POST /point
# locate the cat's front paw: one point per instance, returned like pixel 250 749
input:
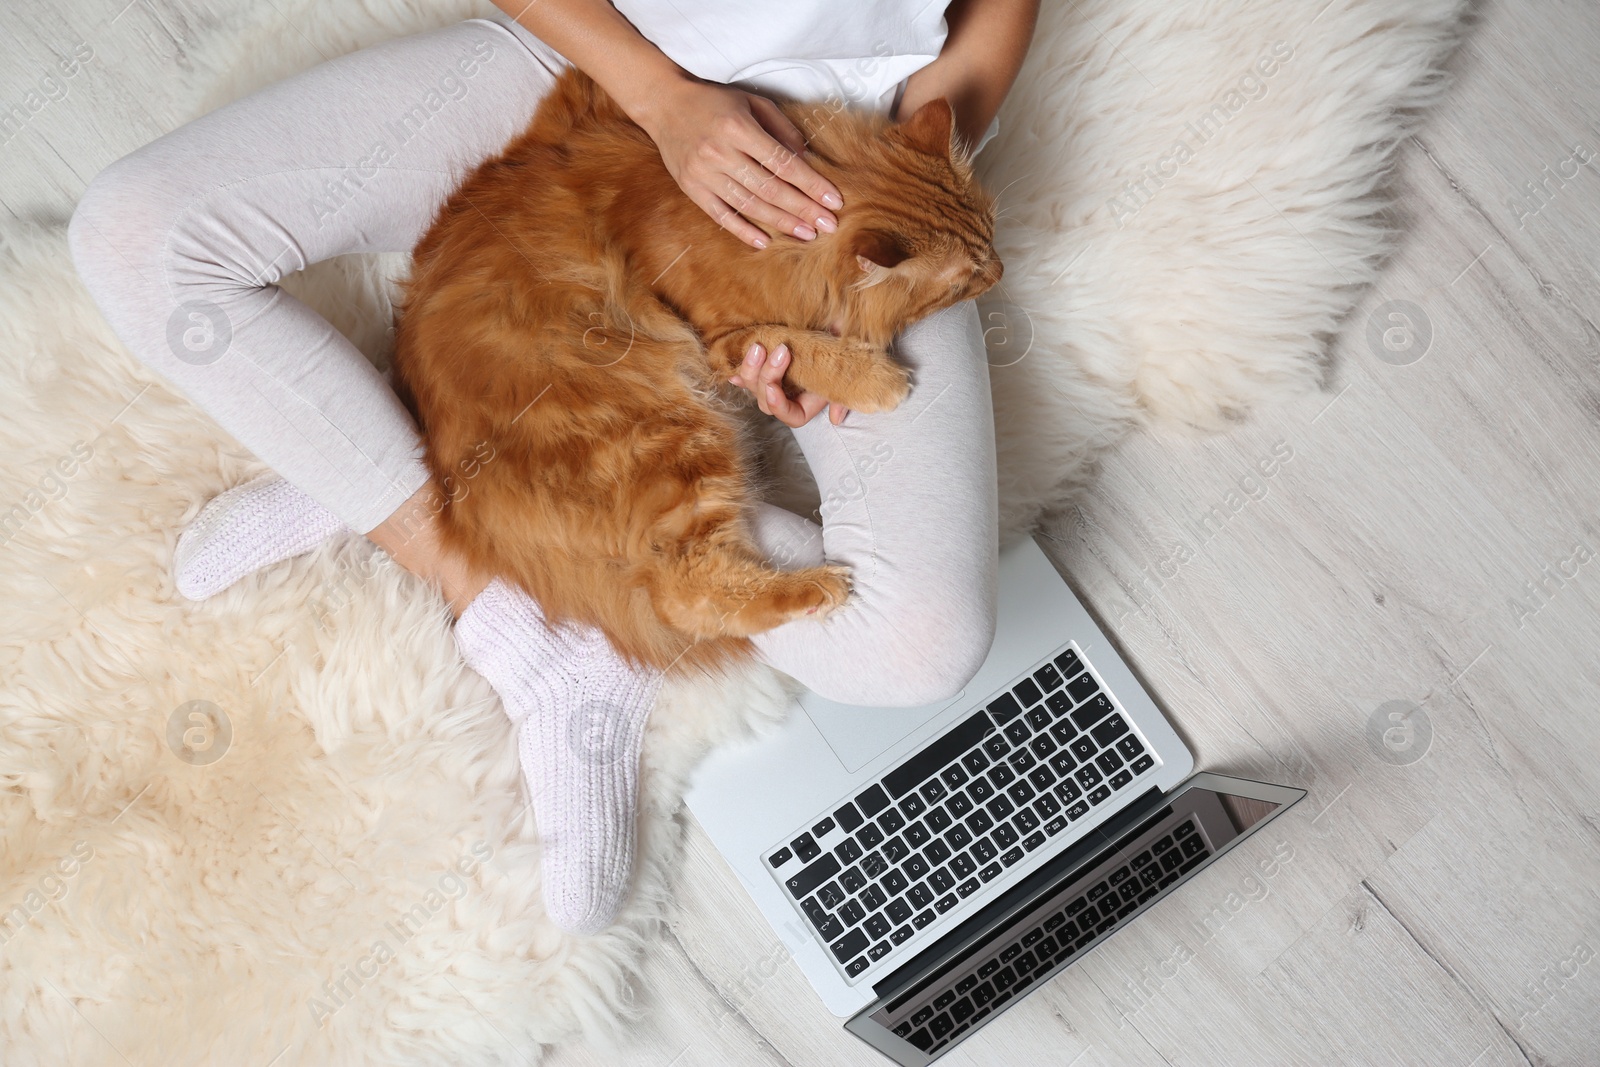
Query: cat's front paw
pixel 880 386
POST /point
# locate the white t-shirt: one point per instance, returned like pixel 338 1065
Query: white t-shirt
pixel 858 51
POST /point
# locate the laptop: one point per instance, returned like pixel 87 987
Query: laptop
pixel 928 867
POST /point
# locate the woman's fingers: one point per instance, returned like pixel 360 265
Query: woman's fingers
pixel 746 192
pixel 762 376
pixel 729 218
pixel 788 162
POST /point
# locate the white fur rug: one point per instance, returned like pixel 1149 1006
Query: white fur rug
pixel 355 881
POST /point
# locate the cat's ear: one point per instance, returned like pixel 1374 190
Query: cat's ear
pixel 877 250
pixel 930 129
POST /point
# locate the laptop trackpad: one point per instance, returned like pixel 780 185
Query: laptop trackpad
pixel 858 735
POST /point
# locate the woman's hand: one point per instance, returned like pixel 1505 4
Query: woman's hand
pixel 761 374
pixel 737 156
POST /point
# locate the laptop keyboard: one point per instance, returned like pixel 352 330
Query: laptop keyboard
pixel 885 871
pixel 1038 947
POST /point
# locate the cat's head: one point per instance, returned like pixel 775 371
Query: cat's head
pixel 917 227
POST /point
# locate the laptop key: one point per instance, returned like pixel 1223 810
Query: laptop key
pixel 933 790
pixel 1121 778
pixel 945 903
pixel 1018 732
pixel 1005 836
pixel 1109 730
pixel 894 883
pixel 1130 747
pixel 822 827
pixel 1056 825
pixel 967 888
pixel 878 925
pixel 958 838
pixel 941 880
pixel 917 835
pixel 849 818
pixel 942 1024
pixel 895 849
pixel 1092 711
pixel 1082 687
pixel 891 821
pixel 1142 764
pixel 1047 805
pixel 1078 810
pixel 780 857
pixel 1089 776
pixel 1001 775
pixel 852 913
pixel 984 851
pixel 848 851
pixel 1004 708
pixel 1068 664
pixel 1041 778
pixel 805 848
pixel 963 865
pixel 991 872
pixel 980 789
pixel 898 910
pixel 1183 831
pixel 922 1015
pixel 938 819
pixel 869 836
pixel 1048 677
pixel 902 935
pixel 1063 762
pixel 1022 760
pixel 921 1038
pixel 1068 790
pixel 874 865
pixel 1109 761
pixel 857 965
pixel 923 918
pixel 926 763
pixel 1020 792
pixel 1058 703
pixel 831 896
pixel 1026 821
pixel 872 800
pixel 1063 731
pixel 1083 748
pixel 878 951
pixel 1012 857
pixel 852 880
pixel 916 867
pixel 920 896
pixel 953 775
pixel 1028 692
pixel 1043 745
pixel 979 821
pixel 966 984
pixel 1099 794
pixel 1038 718
pixel 831 928
pixel 1000 807
pixel 801 885
pixel 851 944
pixel 996 746
pixel 936 853
pixel 873 897
pixel 912 805
pixel 975 761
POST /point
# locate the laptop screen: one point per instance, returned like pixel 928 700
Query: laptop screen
pixel 1061 912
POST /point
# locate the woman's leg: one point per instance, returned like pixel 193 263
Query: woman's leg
pixel 909 504
pixel 182 244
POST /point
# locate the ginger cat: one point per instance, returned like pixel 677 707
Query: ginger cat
pixel 567 334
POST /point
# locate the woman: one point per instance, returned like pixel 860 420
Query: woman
pixel 182 242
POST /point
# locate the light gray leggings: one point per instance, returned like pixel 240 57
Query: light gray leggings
pixel 182 242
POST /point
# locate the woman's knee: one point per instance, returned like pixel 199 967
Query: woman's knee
pixel 925 649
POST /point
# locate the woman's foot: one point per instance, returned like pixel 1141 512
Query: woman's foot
pixel 249 527
pixel 579 709
pixel 580 712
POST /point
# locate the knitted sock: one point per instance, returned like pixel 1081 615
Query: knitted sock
pixel 580 712
pixel 249 527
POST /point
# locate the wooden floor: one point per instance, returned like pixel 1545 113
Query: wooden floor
pixel 1431 539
